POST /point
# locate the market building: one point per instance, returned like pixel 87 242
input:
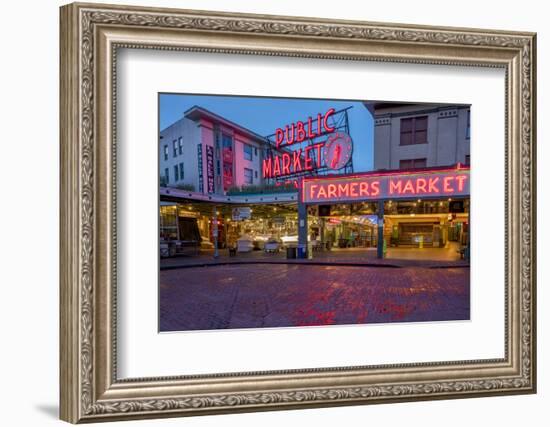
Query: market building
pixel 414 136
pixel 415 208
pixel 408 136
pixel 207 153
pixel 297 189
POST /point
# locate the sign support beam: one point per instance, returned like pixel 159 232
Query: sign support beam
pixel 380 245
pixel 302 222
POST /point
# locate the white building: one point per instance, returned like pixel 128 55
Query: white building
pixel 409 136
pixel 206 153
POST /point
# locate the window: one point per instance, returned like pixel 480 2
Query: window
pixel 255 174
pixel 181 171
pixel 228 174
pixel 255 151
pixel 248 176
pixel 467 160
pixel 175 147
pixel 227 142
pixel 180 145
pixel 166 174
pixel 216 136
pixel 176 172
pixel 468 127
pixel 247 150
pixel 414 130
pixel 412 163
pixel 165 152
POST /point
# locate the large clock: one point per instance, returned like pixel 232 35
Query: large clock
pixel 338 150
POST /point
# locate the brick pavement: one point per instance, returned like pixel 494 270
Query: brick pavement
pixel 279 295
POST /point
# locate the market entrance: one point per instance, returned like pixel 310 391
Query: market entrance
pixel 421 209
pixel 343 226
pixel 195 228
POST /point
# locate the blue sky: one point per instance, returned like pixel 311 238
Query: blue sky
pixel 264 115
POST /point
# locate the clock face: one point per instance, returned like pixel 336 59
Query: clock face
pixel 338 150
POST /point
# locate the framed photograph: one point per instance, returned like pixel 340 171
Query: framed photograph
pixel 268 212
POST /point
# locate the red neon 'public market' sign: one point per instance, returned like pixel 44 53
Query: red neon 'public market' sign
pixel 300 131
pixel 390 185
pixel 292 161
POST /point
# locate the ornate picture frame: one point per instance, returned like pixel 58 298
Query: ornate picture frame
pixel 90 37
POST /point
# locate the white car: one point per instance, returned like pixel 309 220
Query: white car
pixel 245 244
pixel 272 245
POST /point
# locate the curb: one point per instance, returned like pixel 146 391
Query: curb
pixel 310 263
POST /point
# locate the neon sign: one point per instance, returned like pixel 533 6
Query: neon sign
pixel 292 162
pixel 391 185
pixel 300 131
pixel 336 150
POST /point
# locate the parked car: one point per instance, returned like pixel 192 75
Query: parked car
pixel 245 244
pixel 272 245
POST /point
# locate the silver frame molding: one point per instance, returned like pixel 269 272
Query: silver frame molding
pixel 90 37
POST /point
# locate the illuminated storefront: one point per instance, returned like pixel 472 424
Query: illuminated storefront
pixel 425 208
pixel 418 208
pixel 326 206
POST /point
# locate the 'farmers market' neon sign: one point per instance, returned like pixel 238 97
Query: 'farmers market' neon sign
pixel 391 185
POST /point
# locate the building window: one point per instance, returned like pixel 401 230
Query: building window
pixel 468 126
pixel 216 136
pixel 175 147
pixel 180 145
pixel 227 175
pixel 165 152
pixel 181 171
pixel 255 174
pixel 467 160
pixel 227 142
pixel 412 163
pixel 255 151
pixel 166 174
pixel 247 152
pixel 176 172
pixel 414 130
pixel 248 176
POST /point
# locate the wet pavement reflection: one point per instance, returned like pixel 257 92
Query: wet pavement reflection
pixel 279 295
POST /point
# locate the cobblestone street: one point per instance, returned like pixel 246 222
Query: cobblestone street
pixel 279 295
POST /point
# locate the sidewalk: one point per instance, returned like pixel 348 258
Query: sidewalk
pixel 395 258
